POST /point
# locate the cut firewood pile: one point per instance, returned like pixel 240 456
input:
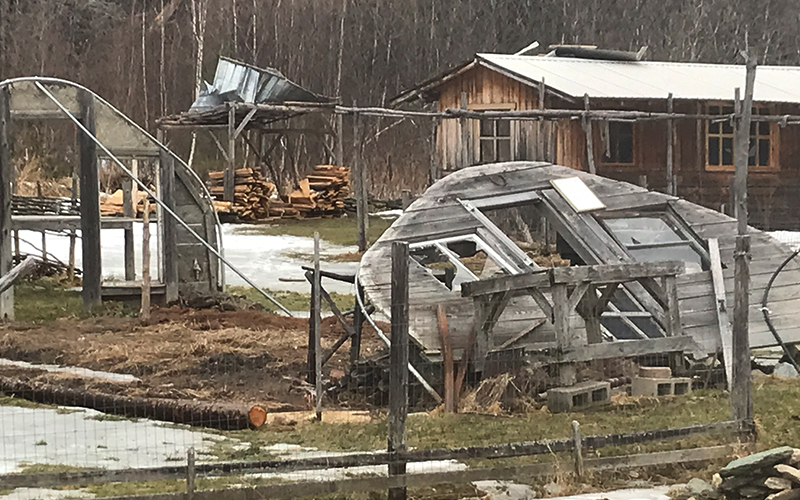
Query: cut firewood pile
pixel 768 475
pixel 321 194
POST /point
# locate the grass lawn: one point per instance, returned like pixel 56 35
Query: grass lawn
pixel 47 299
pixel 293 301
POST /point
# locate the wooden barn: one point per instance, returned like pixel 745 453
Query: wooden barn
pixel 689 157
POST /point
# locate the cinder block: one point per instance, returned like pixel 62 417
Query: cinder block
pixel 641 386
pixel 578 396
pixel 655 372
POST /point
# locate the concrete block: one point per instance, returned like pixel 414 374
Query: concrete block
pixel 578 396
pixel 641 386
pixel 655 372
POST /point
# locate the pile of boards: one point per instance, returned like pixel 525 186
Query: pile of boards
pixel 111 205
pixel 321 194
pixel 251 194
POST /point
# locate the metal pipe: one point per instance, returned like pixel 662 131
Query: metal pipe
pixel 163 205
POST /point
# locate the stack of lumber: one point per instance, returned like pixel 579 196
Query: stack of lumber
pixel 111 205
pixel 251 194
pixel 321 194
pixel 44 205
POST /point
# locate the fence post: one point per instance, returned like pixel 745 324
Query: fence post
pixel 144 314
pixel 190 474
pixel 741 385
pixel 578 450
pixel 317 321
pixel 6 174
pixel 398 370
pixel 90 206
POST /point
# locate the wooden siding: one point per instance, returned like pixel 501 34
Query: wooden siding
pixel 484 89
pixel 772 194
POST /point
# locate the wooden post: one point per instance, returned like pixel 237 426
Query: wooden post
pixel 587 129
pixel 591 315
pixel 406 198
pixel 361 185
pixel 128 244
pixel 191 474
pixel 741 386
pixel 73 235
pixel 339 140
pixel 21 270
pixel 447 360
pixel 44 232
pixel 229 179
pixel 90 205
pixel 466 145
pixel 673 323
pixel 169 241
pixel 317 319
pixel 567 372
pixel 398 369
pixel 543 128
pixel 434 173
pixel 144 314
pixel 670 145
pixel 358 326
pixel 311 357
pixel 6 173
pixel 578 442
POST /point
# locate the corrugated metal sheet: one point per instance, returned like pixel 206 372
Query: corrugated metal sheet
pixel 646 79
pixel 236 81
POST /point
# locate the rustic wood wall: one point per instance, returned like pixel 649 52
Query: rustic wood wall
pixel 772 194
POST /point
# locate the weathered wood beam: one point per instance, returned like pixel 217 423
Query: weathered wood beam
pixel 230 167
pixel 244 122
pixel 629 349
pixel 19 271
pixel 670 146
pixel 535 279
pixel 721 302
pixel 90 205
pixel 616 273
pixel 398 369
pixel 6 179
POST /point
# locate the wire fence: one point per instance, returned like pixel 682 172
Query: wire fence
pixel 206 404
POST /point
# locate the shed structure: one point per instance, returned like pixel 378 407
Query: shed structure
pixel 690 158
pixel 458 253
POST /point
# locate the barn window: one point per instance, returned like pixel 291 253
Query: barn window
pixel 495 140
pixel 720 141
pixel 617 143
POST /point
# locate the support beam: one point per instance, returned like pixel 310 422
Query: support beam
pixel 670 145
pixel 587 130
pixel 398 369
pixel 169 242
pixel 316 321
pixel 721 302
pixel 466 144
pixel 361 185
pixel 567 372
pixel 90 205
pixel 741 386
pixel 129 213
pixel 339 148
pixel 230 167
pixel 6 173
pixel 358 327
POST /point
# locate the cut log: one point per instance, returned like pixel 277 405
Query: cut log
pixel 197 413
pixel 21 270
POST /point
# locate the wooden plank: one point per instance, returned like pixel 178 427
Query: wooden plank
pixel 358 325
pixel 615 273
pixel 587 130
pixel 629 348
pixel 144 312
pixel 506 200
pixel 567 373
pixel 447 360
pixel 491 286
pixel 398 368
pixel 402 482
pixel 725 335
pixel 6 179
pixel 90 205
pixel 671 188
pixel 21 270
pixel 590 312
pixel 673 309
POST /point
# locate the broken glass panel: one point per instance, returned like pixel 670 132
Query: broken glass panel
pixel 652 239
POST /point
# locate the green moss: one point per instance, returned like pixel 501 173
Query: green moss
pixel 294 301
pixel 340 231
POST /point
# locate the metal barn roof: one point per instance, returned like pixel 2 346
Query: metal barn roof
pixel 573 77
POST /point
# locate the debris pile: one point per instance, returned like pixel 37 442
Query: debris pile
pixel 321 194
pixel 770 475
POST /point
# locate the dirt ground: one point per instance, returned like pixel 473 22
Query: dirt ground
pixel 232 356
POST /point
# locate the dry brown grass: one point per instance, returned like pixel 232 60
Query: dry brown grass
pixel 30 179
